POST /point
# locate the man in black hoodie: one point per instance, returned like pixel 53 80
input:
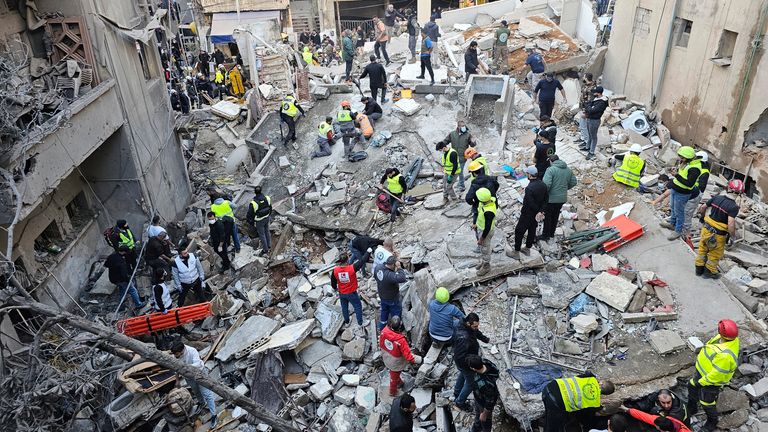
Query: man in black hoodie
pixel 534 203
pixel 120 274
pixel 219 240
pixel 486 393
pixel 470 60
pixel 465 344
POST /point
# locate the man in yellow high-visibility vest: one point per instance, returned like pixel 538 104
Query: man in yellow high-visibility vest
pixel 577 398
pixel 394 183
pixel 289 110
pixel 483 224
pixel 451 170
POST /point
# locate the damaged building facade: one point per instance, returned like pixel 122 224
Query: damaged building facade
pixel 701 66
pixel 107 152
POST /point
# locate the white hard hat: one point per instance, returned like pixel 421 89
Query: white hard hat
pixel 703 156
pixel 636 148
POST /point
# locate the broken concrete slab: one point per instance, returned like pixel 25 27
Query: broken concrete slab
pixel 354 350
pixel 334 198
pixel 731 400
pixel 344 395
pixel 664 295
pixel 522 285
pixel 365 398
pixel 408 106
pixel 758 286
pixel 557 289
pixel 321 390
pixel 351 380
pixel 638 301
pixel 584 323
pixel 665 341
pixel 603 262
pixel 530 29
pixel 344 419
pixel 330 320
pixel 758 389
pixel 320 351
pixel 289 336
pixel 253 329
pixel 615 291
pixel 630 318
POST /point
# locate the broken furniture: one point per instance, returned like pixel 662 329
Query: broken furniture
pixel 146 377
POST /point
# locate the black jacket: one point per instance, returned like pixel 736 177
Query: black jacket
pixel 485 390
pixel 250 216
pixel 362 243
pixel 413 25
pixel 218 57
pixel 465 343
pixel 220 233
pixel 399 420
pixel 389 18
pixel 470 61
pixel 376 74
pixel 595 108
pixel 536 197
pixel 119 271
pixel 481 181
pixel 432 30
pixel 156 248
pixel 372 107
pixel 651 405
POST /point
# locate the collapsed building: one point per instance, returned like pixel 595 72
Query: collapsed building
pixel 274 334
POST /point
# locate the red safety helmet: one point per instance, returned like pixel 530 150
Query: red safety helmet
pixel 736 185
pixel 728 329
pixel 346 104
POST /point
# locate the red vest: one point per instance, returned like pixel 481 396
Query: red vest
pixel 346 277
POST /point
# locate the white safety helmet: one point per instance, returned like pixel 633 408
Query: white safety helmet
pixel 636 148
pixel 703 156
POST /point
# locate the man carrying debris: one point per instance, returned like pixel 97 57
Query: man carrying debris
pixel 451 168
pixel 426 56
pixel 344 280
pixel 191 357
pixel 188 274
pixel 388 277
pixel 372 109
pixel 576 398
pixel 401 413
pixel 483 224
pixel 544 93
pixel 558 179
pixel 592 114
pixel 632 167
pixel 396 186
pixel 717 229
pixel 715 364
pixel 464 345
pixel 471 63
pixel 485 391
pixel 500 49
pixel 289 110
pixel 358 247
pixel 544 145
pixel 224 209
pixel 258 216
pixel 120 274
pixel 536 62
pixel 534 205
pixel 444 317
pixel 219 239
pixel 384 251
pixel 664 403
pixel 377 78
pixel 345 126
pixel 587 94
pixel 324 138
pixel 381 37
pixel 460 140
pixel 395 352
pixel 698 191
pixel 347 53
pixel 689 169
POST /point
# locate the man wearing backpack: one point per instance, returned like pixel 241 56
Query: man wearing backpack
pixel 258 217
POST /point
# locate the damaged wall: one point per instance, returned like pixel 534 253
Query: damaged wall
pixel 700 92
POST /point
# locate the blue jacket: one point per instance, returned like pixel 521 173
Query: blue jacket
pixel 442 318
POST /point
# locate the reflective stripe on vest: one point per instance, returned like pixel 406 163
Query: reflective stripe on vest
pixel 579 393
pixel 717 361
pixel 344 116
pixel 696 163
pixel 289 106
pixel 187 272
pixel 126 239
pixel 262 208
pixel 489 206
pixel 394 186
pixel 165 297
pixel 223 209
pixel 484 163
pixel 629 172
pixel 447 165
pixel 323 129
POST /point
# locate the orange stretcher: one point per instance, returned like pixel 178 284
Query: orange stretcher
pixel 157 321
pixel 628 231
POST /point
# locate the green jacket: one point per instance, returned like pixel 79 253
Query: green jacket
pixel 559 178
pixel 459 141
pixel 348 49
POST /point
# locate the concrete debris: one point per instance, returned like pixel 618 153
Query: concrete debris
pixel 408 106
pixel 584 323
pixel 665 341
pixel 615 291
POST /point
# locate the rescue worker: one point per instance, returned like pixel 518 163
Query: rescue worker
pixel 444 317
pixel 395 184
pixel 715 364
pixel 544 148
pixel 718 227
pixel 219 239
pixel 158 252
pixel 534 203
pixel 123 236
pixel 344 280
pixel 395 352
pixel 661 423
pixel 471 154
pixel 289 110
pixel 500 49
pixel 381 37
pixel 388 277
pixel 307 56
pixel 372 109
pixel 485 391
pixel 401 413
pixel 324 138
pixel 155 228
pixel 345 126
pixel 698 191
pixel 632 167
pixel 479 180
pixel 358 247
pixel 188 275
pixel 460 139
pixel 258 216
pixel 385 250
pixel 220 79
pixel 483 224
pixel 451 170
pixel 576 398
pixel 161 295
pixel 689 169
pixel 547 124
pixel 224 210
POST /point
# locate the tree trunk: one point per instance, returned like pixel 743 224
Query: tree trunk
pixel 152 354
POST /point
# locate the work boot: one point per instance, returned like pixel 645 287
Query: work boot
pixel 699 270
pixel 666 224
pixel 526 251
pixel 709 275
pixel 512 253
pixel 589 156
pixel 674 236
pixel 483 269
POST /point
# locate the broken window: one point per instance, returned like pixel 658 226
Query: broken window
pixel 78 206
pixel 143 60
pixel 725 48
pixel 50 239
pixel 682 32
pixel 642 25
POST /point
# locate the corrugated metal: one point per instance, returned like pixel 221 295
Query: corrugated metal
pixel 213 6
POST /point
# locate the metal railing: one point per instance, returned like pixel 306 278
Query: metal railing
pixel 367 25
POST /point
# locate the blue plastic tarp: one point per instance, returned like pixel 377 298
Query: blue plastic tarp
pixel 534 378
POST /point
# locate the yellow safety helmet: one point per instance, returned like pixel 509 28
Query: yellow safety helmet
pixel 483 194
pixel 475 166
pixel 442 295
pixel 687 152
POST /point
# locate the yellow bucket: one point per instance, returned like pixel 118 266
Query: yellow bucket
pixel 406 93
